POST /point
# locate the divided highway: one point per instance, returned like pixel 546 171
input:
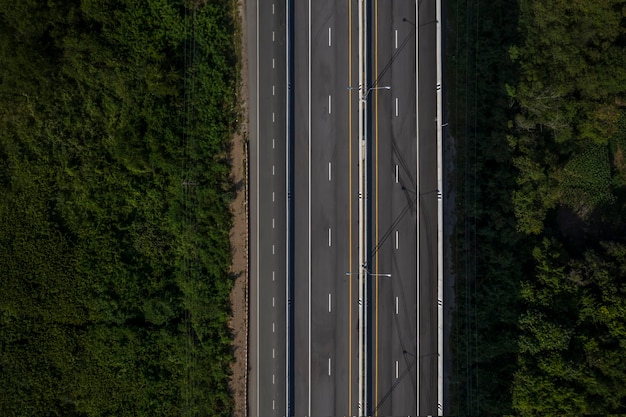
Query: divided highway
pixel 393 141
pixel 325 209
pixel 344 192
pixel 404 209
pixel 268 214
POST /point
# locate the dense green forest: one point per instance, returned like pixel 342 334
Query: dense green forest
pixel 537 103
pixel 115 125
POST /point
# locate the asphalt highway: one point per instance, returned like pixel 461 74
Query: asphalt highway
pixel 403 307
pixel 428 196
pixel 393 203
pixel 325 209
pixel 305 147
pixel 427 99
pixel 268 253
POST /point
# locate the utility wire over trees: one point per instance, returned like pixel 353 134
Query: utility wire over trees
pixel 537 102
pixel 115 127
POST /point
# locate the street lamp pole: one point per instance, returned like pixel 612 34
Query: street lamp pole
pixel 363 273
pixel 362 246
pixel 366 272
pixel 369 90
pixel 365 95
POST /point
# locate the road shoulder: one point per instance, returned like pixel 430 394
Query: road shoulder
pixel 239 232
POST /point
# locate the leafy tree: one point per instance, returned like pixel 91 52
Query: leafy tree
pixel 114 240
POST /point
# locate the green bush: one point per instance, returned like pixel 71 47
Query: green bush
pixel 115 126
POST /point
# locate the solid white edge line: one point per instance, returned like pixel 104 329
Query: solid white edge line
pixel 288 109
pixel 309 214
pixel 439 215
pixel 417 162
pixel 365 217
pixel 360 352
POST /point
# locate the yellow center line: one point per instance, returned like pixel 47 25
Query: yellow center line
pixel 376 239
pixel 350 207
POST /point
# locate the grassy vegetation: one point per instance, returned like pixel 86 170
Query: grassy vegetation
pixel 115 126
pixel 537 106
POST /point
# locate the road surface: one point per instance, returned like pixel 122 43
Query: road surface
pixel 268 253
pixel 325 208
pixel 404 239
pixel 305 148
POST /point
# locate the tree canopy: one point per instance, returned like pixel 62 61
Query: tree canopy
pixel 115 126
pixel 538 106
